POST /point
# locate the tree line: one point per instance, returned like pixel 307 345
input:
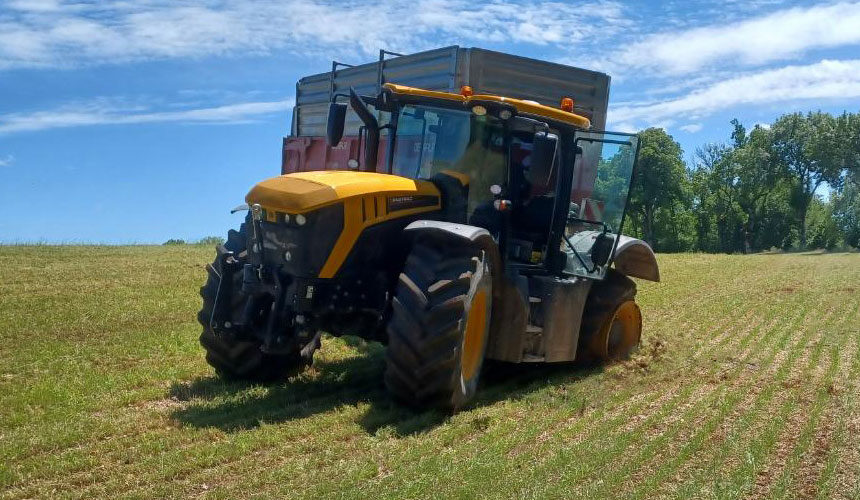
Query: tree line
pixel 794 184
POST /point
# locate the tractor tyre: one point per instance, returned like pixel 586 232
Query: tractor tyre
pixel 241 358
pixel 611 321
pixel 437 333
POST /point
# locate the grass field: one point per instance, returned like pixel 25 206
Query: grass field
pixel 747 385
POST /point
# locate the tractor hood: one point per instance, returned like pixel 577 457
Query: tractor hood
pixel 305 191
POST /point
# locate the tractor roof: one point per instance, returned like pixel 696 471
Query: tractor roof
pixel 523 106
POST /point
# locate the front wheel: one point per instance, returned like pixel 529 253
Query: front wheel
pixel 437 334
pixel 241 357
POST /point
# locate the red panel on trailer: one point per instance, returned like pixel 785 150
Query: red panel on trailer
pixel 304 154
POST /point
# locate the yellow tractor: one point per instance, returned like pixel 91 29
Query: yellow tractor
pixel 462 232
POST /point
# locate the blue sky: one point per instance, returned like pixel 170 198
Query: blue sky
pixel 138 121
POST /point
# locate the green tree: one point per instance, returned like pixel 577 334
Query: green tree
pixel 822 229
pixel 846 210
pixel 811 149
pixel 210 241
pixel 757 176
pixel 716 203
pixel 660 184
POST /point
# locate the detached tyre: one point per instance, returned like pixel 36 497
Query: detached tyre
pixel 611 323
pixel 240 357
pixel 437 334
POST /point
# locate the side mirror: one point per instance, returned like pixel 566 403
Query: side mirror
pixel 544 146
pixel 335 123
pixel 602 249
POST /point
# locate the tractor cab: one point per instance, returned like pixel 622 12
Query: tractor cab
pixel 550 191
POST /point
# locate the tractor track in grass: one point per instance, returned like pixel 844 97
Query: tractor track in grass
pixel 655 416
pixel 805 464
pixel 758 426
pixel 777 457
pixel 701 468
pixel 652 401
pixel 659 457
pixel 810 397
pixel 741 308
pixel 840 471
pixel 666 462
pixel 690 399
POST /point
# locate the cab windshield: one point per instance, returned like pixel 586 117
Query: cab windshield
pixel 432 141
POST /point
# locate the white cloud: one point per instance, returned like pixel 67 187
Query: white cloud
pixel 53 33
pixel 7 160
pixel 625 127
pixel 823 80
pixel 777 36
pixel 100 113
pixel 691 128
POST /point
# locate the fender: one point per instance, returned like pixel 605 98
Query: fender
pixel 462 233
pixel 635 258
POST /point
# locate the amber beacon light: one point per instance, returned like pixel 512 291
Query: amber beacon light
pixel 466 91
pixel 567 104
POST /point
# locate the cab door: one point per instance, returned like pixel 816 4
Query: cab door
pixel 593 201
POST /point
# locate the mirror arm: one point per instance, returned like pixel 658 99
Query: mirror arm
pixel 371 145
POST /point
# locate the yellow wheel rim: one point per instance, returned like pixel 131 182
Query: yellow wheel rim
pixel 621 334
pixel 473 337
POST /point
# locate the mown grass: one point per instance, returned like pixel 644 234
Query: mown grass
pixel 747 385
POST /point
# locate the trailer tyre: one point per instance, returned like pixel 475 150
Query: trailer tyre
pixel 232 357
pixel 611 323
pixel 437 334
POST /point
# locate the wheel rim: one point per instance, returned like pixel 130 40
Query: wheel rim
pixel 474 335
pixel 621 334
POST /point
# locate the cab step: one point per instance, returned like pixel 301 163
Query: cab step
pixel 531 358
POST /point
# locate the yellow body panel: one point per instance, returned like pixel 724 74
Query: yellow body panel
pixel 365 197
pixel 305 191
pixel 354 224
pixel 522 106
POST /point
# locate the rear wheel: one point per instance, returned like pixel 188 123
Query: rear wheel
pixel 611 323
pixel 437 334
pixel 240 357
